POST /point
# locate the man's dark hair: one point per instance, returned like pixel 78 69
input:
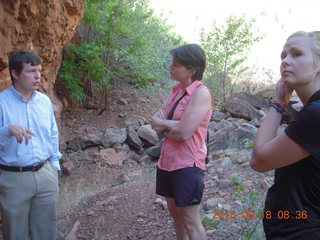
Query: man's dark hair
pixel 191 56
pixel 18 58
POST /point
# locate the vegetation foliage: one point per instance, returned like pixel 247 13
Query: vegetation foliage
pixel 252 210
pixel 80 61
pixel 227 47
pixel 121 40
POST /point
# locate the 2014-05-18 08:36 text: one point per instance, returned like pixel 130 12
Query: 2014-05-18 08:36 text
pixel 251 214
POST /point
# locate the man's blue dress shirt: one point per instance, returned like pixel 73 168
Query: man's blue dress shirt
pixel 35 114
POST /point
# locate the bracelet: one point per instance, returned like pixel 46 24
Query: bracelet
pixel 278 106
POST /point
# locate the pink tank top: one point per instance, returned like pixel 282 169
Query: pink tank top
pixel 181 154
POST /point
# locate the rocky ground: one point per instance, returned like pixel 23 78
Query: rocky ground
pixel 119 203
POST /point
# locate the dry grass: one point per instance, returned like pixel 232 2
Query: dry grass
pixel 78 188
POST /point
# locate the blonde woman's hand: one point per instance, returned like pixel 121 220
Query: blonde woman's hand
pixel 283 92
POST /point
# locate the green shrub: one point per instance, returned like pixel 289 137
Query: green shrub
pixel 122 41
pixel 227 47
pixel 80 62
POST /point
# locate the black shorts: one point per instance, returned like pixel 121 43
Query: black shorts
pixel 184 185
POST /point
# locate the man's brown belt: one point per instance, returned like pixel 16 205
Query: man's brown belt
pixel 34 168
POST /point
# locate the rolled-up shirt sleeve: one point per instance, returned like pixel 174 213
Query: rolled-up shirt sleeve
pixel 4 136
pixel 56 154
pixel 4 131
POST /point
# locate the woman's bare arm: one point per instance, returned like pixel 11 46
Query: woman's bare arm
pixel 199 105
pixel 269 150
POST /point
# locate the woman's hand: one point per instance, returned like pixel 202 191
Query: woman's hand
pixel 158 121
pixel 198 106
pixel 283 92
pixel 157 124
pixel 161 125
pixel 269 147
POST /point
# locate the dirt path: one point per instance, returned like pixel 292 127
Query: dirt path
pixel 129 209
pixel 125 211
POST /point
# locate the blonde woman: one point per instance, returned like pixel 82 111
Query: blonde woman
pixel 292 206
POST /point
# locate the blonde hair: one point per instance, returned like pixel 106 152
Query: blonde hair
pixel 314 38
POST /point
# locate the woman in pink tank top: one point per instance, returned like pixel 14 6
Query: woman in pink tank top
pixel 184 120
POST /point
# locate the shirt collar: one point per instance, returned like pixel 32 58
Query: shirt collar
pixel 189 89
pixel 18 95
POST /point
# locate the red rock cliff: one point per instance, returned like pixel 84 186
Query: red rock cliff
pixel 43 26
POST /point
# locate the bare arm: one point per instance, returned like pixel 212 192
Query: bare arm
pixel 199 104
pixel 161 125
pixel 158 121
pixel 271 151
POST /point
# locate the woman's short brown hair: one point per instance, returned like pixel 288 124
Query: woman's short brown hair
pixel 191 56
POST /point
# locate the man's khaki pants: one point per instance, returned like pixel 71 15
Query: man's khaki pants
pixel 28 204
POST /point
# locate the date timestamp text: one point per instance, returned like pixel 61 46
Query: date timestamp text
pixel 251 214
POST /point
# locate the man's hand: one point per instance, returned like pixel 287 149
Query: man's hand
pixel 20 132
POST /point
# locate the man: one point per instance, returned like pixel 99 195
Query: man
pixel 29 154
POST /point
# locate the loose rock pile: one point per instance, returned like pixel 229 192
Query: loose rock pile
pixel 235 125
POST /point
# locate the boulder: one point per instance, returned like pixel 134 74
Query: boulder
pixel 154 151
pixel 245 131
pixel 148 135
pixel 254 100
pixel 111 158
pixel 112 136
pixel 135 121
pixel 90 140
pixel 241 109
pixel 66 165
pixel 221 125
pixel 219 115
pixel 221 139
pixel 133 139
